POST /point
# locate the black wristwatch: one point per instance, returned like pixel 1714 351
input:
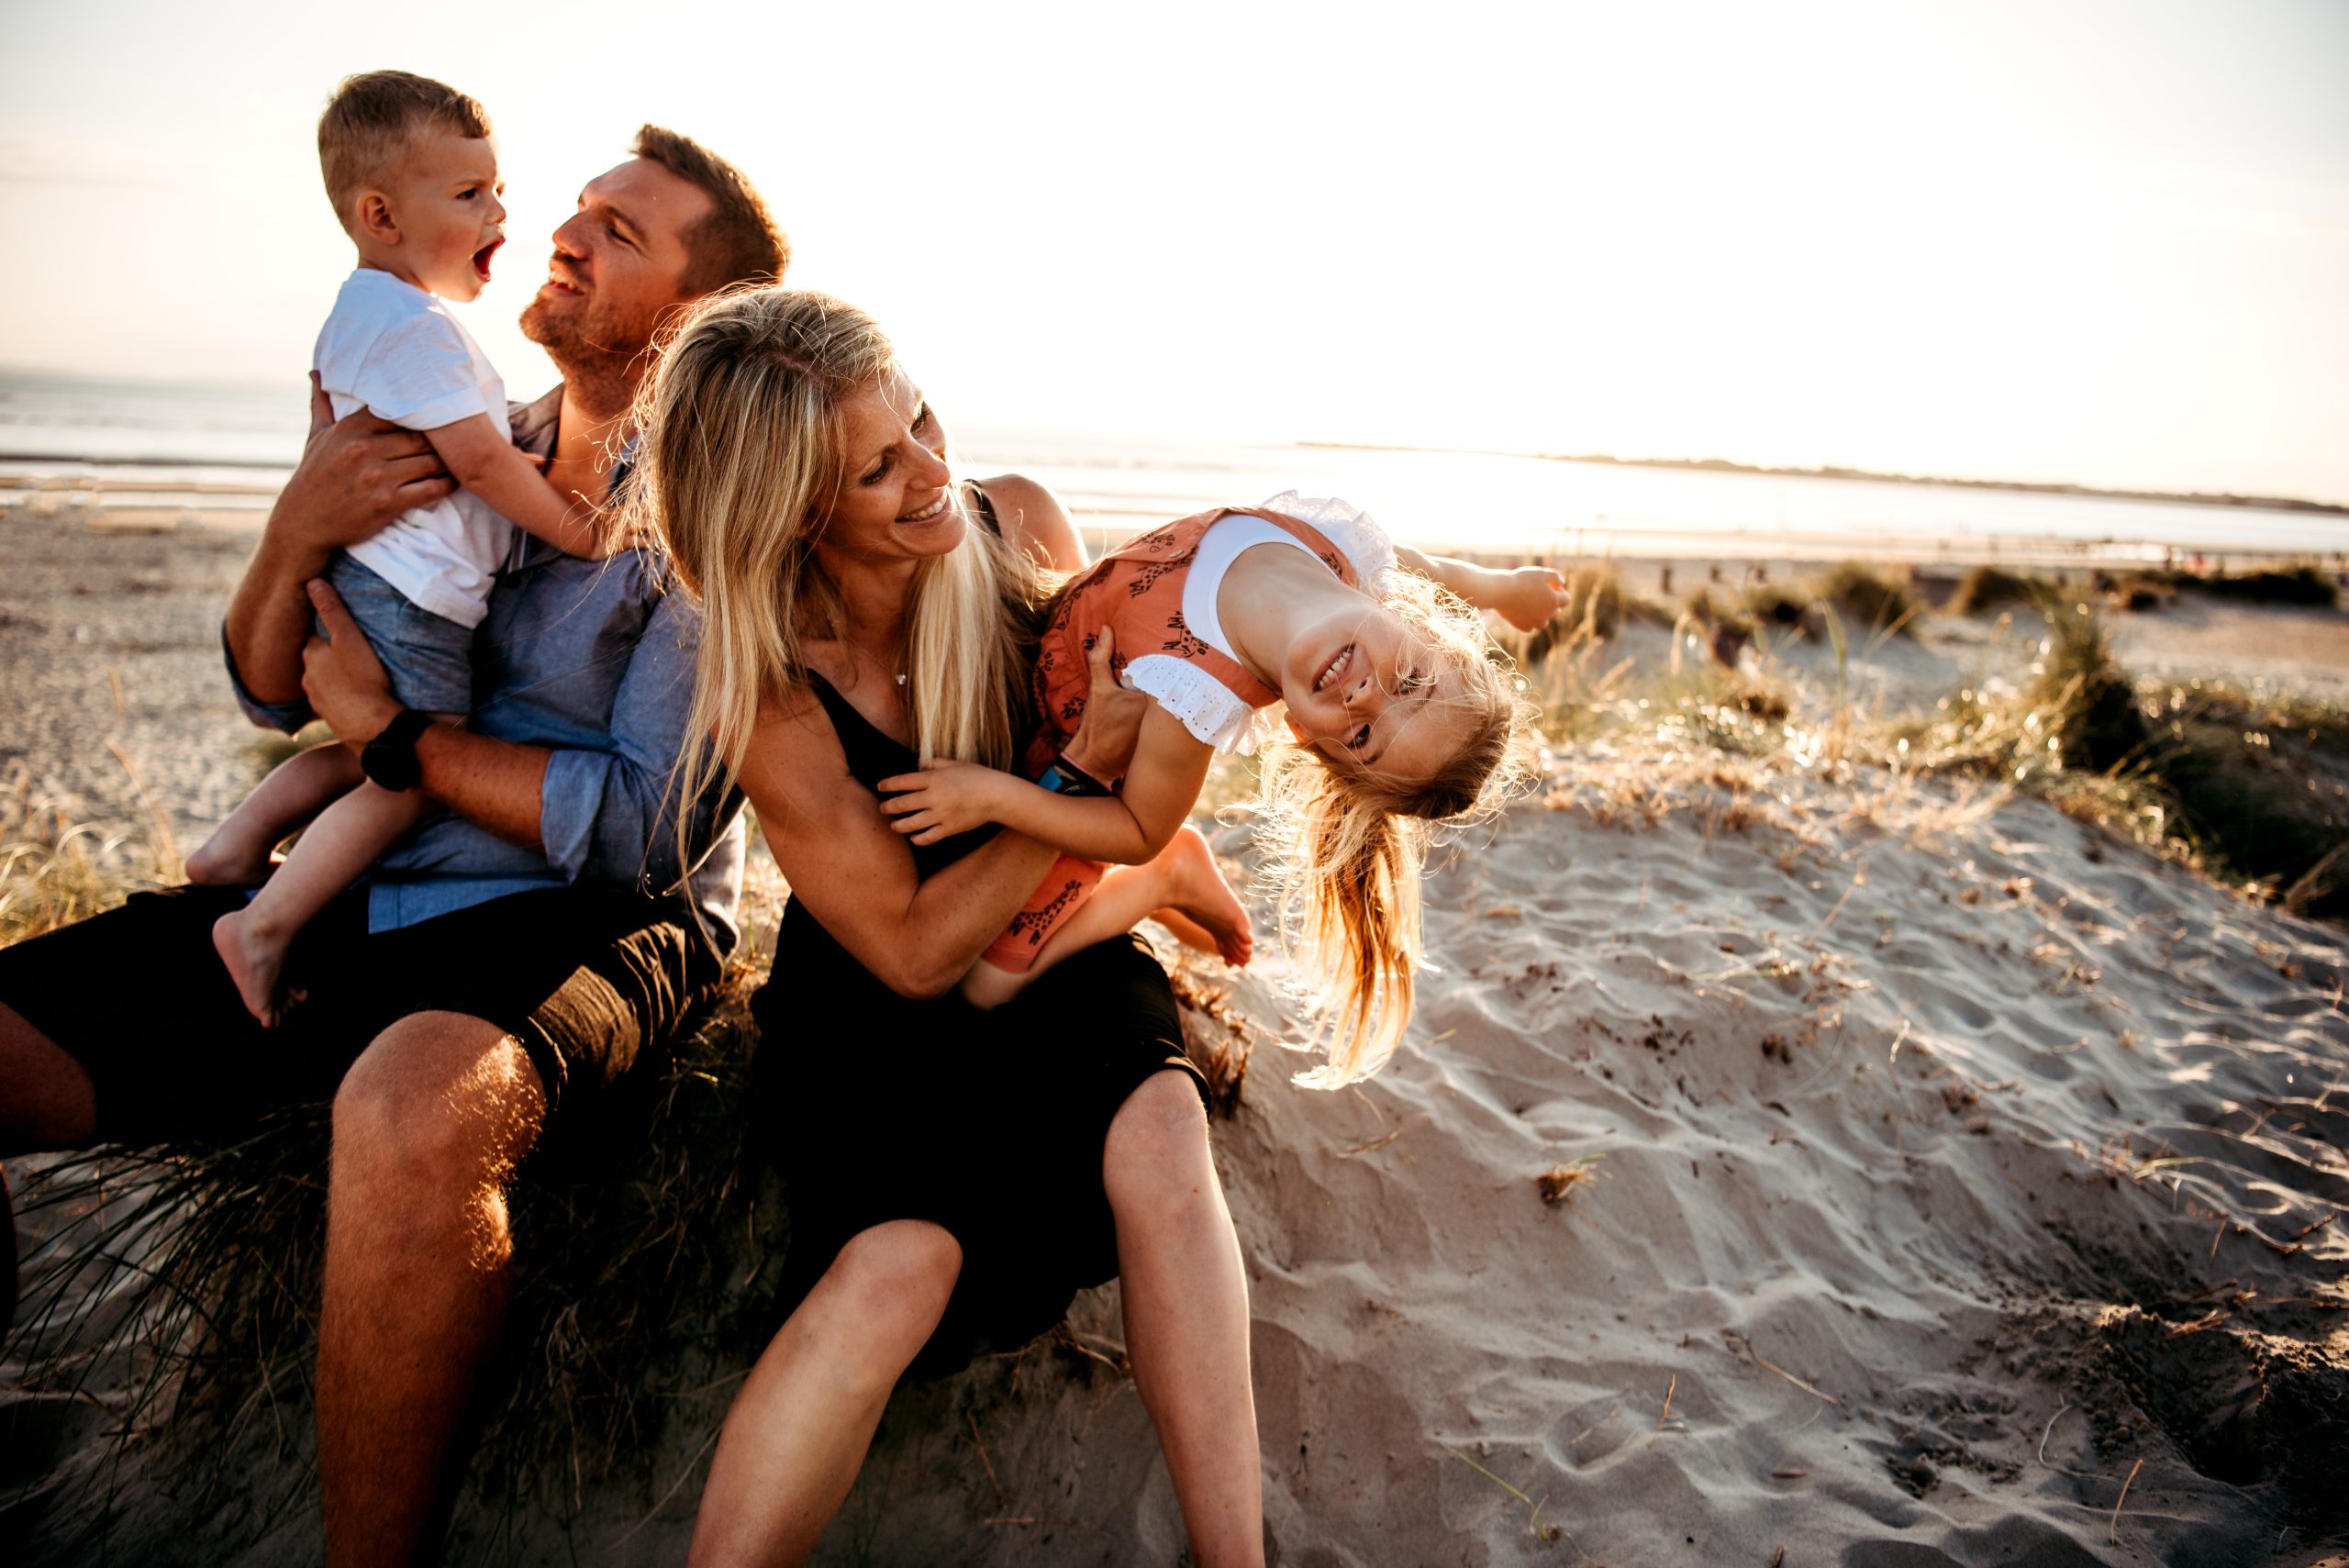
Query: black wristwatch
pixel 389 759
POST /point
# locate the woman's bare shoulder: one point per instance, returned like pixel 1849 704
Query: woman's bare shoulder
pixel 1034 520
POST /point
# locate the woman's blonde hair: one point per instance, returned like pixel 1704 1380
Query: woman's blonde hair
pixel 740 453
pixel 1343 844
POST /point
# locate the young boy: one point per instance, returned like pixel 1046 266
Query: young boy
pixel 413 175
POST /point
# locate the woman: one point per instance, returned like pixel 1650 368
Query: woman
pixel 955 1175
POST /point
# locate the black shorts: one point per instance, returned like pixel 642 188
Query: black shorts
pixel 588 978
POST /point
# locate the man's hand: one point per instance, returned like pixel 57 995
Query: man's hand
pixel 341 676
pixel 945 798
pixel 1528 598
pixel 355 476
pixel 1103 742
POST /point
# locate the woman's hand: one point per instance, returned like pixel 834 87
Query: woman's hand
pixel 1103 742
pixel 1528 598
pixel 945 798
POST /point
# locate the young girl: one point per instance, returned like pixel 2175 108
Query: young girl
pixel 1400 719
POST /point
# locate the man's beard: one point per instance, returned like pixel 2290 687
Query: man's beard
pixel 600 359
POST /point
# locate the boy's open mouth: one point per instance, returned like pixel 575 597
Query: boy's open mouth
pixel 482 256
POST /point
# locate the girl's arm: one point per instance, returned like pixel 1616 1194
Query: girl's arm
pixel 1526 598
pixel 1127 829
pixel 483 457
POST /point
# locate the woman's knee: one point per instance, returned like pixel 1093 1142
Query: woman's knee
pixel 1157 1147
pixel 890 1286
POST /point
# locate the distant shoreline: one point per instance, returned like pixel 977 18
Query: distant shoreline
pixel 1723 465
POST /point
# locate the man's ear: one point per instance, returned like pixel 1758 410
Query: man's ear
pixel 375 219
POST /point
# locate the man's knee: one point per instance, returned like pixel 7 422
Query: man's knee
pixel 1157 1147
pixel 437 1100
pixel 893 1282
pixel 46 1098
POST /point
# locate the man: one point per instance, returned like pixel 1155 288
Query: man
pixel 505 961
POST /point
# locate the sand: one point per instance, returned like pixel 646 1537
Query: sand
pixel 1927 1167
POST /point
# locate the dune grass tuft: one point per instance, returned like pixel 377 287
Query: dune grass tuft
pixel 1987 587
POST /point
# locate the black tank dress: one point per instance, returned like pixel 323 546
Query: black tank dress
pixel 876 1106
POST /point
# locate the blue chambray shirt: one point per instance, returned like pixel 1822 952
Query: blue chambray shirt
pixel 593 660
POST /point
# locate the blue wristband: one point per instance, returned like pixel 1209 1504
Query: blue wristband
pixel 1065 777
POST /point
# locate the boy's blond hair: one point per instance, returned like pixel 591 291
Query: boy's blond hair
pixel 371 118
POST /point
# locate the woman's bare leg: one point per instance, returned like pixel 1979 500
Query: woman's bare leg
pixel 1186 1315
pixel 338 845
pixel 798 1431
pixel 1183 876
pixel 237 855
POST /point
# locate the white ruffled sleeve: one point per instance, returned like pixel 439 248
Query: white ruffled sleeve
pixel 1353 530
pixel 1210 710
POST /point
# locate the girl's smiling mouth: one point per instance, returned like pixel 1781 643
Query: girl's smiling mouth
pixel 926 513
pixel 1336 668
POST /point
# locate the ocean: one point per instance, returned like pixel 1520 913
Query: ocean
pixel 214 454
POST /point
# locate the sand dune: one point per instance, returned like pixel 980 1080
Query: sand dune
pixel 1927 1167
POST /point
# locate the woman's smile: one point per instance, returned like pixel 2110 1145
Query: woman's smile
pixel 933 510
pixel 1335 670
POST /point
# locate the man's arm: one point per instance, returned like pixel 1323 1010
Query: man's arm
pixel 496 784
pixel 355 476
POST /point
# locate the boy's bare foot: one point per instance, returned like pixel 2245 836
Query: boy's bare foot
pixel 224 863
pixel 1197 893
pixel 256 962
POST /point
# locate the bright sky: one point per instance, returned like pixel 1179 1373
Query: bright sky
pixel 2105 241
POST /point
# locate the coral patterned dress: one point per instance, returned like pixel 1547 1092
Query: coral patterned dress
pixel 1138 592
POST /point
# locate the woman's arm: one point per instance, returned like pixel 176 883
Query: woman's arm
pixel 1127 829
pixel 1525 596
pixel 857 878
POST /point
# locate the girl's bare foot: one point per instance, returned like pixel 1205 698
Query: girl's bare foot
pixel 256 961
pixel 225 861
pixel 1204 901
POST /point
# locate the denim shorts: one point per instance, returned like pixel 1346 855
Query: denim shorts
pixel 430 658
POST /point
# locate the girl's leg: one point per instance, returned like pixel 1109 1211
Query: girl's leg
pixel 797 1433
pixel 1183 876
pixel 237 855
pixel 1186 1315
pixel 340 844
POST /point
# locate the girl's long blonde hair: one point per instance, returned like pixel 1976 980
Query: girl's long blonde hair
pixel 1343 844
pixel 740 452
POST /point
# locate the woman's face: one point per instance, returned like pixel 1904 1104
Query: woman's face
pixel 897 502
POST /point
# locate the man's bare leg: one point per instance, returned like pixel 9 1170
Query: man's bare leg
pixel 428 1126
pixel 46 1102
pixel 237 855
pixel 1182 876
pixel 797 1433
pixel 341 844
pixel 1186 1294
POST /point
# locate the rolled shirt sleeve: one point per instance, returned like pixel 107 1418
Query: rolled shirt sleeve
pixel 611 814
pixel 286 717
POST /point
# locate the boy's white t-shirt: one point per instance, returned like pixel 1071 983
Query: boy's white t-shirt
pixel 391 348
pixel 1210 710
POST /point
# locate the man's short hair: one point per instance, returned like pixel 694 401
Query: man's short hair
pixel 371 120
pixel 738 242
